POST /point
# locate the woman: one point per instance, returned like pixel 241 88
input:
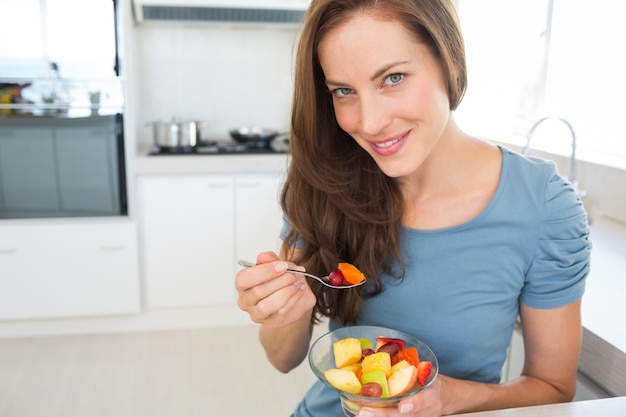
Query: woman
pixel 457 237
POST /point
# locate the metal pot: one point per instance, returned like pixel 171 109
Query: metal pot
pixel 176 134
pixel 190 133
pixel 254 135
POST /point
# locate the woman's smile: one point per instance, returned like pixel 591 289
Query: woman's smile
pixel 390 146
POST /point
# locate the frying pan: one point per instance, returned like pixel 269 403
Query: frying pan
pixel 254 135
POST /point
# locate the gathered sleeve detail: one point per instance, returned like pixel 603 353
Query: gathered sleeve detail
pixel 561 260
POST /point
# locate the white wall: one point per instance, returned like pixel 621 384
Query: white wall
pixel 227 76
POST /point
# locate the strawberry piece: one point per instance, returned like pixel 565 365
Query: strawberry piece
pixel 424 369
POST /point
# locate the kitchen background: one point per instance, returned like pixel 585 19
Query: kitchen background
pixel 227 76
pixel 158 279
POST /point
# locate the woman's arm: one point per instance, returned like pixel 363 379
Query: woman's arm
pixel 287 346
pixel 552 343
pixel 282 303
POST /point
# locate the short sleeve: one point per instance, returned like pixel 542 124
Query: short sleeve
pixel 286 228
pixel 560 263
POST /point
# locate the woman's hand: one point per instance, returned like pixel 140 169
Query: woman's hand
pixel 427 403
pixel 272 296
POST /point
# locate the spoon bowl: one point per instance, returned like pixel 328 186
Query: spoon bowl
pixel 323 280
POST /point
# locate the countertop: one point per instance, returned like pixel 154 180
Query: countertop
pixel 210 164
pixel 609 407
pixel 603 305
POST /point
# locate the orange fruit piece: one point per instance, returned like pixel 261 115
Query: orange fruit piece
pixel 411 355
pixel 351 273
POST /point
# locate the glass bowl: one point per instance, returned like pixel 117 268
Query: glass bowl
pixel 321 358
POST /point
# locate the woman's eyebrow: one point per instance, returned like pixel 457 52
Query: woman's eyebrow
pixel 385 69
pixel 377 74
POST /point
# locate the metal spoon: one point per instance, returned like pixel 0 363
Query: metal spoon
pixel 323 280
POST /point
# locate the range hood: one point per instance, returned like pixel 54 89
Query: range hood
pixel 242 11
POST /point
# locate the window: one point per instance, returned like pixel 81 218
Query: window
pixel 22 47
pixel 62 54
pixel 533 58
pixel 76 34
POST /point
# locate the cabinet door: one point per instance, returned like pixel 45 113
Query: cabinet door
pixel 28 180
pixel 259 216
pixel 187 239
pixel 73 269
pixel 87 168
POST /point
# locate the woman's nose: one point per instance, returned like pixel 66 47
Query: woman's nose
pixel 375 115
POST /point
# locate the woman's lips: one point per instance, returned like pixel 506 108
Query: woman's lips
pixel 390 146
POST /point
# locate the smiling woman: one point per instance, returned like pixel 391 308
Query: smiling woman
pixel 550 57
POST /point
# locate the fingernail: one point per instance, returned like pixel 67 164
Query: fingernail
pixel 281 267
pixel 406 408
pixel 366 413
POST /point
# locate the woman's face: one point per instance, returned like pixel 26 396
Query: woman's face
pixel 388 91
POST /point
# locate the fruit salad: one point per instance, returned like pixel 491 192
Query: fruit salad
pixel 385 369
pixel 345 274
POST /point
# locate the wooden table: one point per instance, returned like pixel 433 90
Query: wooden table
pixel 608 407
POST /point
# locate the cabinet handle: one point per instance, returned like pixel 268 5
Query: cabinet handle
pixel 250 184
pixel 111 248
pixel 8 251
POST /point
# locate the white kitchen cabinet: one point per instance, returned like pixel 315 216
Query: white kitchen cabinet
pixel 515 359
pixel 193 229
pixel 187 240
pixel 63 269
pixel 258 215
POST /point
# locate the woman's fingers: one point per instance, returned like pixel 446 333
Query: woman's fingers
pixel 267 292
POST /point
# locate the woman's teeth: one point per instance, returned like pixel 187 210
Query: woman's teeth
pixel 387 144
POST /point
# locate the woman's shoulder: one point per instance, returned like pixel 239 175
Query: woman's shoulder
pixel 540 178
pixel 530 171
pixel 527 164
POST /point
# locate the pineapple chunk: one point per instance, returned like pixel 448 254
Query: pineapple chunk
pixel 378 360
pixel 347 352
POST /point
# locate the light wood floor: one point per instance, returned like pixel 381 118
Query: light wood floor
pixel 187 373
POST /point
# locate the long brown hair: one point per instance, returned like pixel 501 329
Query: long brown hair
pixel 341 206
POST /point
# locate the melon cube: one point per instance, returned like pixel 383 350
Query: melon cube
pixel 380 378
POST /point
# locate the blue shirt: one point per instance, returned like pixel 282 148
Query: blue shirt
pixel 463 284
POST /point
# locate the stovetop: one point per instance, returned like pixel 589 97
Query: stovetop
pixel 223 148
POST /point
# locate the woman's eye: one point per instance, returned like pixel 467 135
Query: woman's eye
pixel 393 79
pixel 342 92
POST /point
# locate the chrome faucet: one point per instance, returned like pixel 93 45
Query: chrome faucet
pixel 572 164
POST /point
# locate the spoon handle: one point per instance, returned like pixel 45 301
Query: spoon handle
pixel 247 264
